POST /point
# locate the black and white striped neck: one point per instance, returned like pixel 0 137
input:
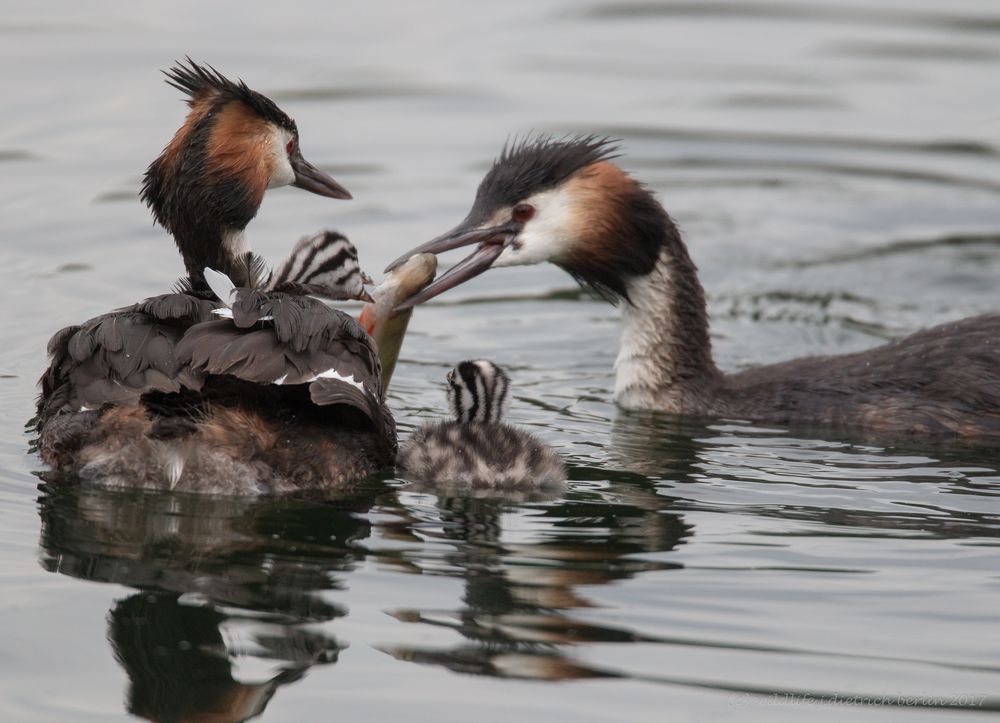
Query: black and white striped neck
pixel 324 264
pixel 478 391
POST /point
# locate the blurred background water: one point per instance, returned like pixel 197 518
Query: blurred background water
pixel 834 166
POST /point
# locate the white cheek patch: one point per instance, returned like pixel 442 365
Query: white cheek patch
pixel 282 175
pixel 548 235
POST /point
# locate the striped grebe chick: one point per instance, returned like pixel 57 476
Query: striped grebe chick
pixel 477 450
pixel 242 381
pixel 565 202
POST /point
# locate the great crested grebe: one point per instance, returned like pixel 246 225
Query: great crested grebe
pixel 241 381
pixel 478 450
pixel 564 201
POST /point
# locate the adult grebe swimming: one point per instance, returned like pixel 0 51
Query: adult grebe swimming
pixel 242 381
pixel 565 202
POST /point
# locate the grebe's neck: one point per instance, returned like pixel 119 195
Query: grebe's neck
pixel 206 217
pixel 665 360
pixel 215 246
pixel 208 184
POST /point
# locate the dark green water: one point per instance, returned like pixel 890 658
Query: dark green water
pixel 835 169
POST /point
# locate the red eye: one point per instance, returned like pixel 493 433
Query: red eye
pixel 290 148
pixel 523 212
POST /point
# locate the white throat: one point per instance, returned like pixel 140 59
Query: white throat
pixel 665 359
pixel 234 242
pixel 638 369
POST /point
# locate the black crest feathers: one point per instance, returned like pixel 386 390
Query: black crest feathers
pixel 535 163
pixel 204 83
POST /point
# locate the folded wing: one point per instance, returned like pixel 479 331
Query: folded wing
pixel 117 357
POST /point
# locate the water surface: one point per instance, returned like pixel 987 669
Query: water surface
pixel 835 170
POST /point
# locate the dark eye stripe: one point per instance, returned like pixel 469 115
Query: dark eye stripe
pixel 456 399
pixel 499 392
pixel 468 373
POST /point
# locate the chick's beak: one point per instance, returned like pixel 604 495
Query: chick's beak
pixel 491 240
pixel 310 178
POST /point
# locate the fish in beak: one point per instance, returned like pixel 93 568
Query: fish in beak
pixel 491 242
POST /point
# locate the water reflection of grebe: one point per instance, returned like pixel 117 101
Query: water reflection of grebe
pixel 179 666
pixel 220 580
pixel 516 616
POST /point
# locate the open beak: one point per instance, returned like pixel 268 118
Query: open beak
pixel 310 178
pixel 491 240
pixel 365 297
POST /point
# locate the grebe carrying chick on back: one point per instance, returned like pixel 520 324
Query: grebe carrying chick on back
pixel 564 201
pixel 242 381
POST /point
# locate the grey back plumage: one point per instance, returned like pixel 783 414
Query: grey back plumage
pixel 283 336
pixel 183 360
pixel 283 339
pixel 113 360
pixel 117 357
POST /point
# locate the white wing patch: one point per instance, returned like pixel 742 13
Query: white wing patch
pixel 221 285
pixel 328 374
pixel 333 374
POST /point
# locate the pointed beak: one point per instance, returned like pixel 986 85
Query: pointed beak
pixel 310 178
pixel 365 297
pixel 491 240
pixel 461 235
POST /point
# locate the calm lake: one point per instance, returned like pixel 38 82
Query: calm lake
pixel 835 168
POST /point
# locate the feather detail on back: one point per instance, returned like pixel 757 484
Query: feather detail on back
pixel 310 376
pixel 282 339
pixel 117 357
pixel 303 340
pixel 257 273
pixel 221 286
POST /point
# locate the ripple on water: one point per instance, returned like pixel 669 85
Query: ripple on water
pixel 834 168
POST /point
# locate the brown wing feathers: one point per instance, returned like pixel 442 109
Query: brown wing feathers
pixel 118 357
pixel 173 343
pixel 282 339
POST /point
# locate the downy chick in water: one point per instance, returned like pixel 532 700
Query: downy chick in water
pixel 477 450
